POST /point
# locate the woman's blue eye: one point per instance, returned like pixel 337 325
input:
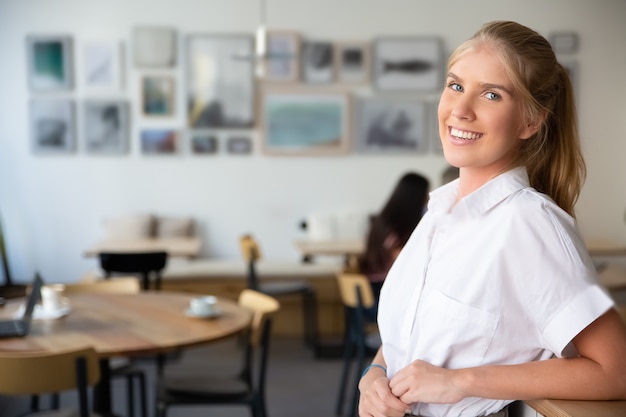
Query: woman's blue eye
pixel 455 87
pixel 492 96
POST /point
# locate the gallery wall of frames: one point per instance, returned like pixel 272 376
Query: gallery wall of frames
pixel 303 97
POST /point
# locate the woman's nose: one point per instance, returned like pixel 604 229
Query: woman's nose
pixel 463 109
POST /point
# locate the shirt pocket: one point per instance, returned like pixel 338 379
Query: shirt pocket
pixel 452 334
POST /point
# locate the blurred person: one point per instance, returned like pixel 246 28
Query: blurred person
pixel 390 229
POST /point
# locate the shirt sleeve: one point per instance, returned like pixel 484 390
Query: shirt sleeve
pixel 586 307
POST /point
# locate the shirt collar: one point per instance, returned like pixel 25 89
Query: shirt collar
pixel 484 198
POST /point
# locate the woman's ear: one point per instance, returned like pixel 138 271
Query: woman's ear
pixel 533 126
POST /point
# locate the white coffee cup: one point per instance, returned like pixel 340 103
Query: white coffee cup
pixel 203 306
pixel 52 297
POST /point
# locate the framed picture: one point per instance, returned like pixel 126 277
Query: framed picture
pixel 352 62
pixel 204 143
pixel 283 56
pixel 159 141
pixel 408 64
pixel 564 42
pixel 50 63
pixel 220 89
pixel 305 122
pixel 52 126
pixel 157 95
pixel 317 62
pixel 239 145
pixel 154 46
pixel 432 127
pixel 103 67
pixel 106 126
pixel 391 126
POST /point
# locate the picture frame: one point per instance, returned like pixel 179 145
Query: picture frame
pixel 50 62
pixel 204 143
pixel 318 62
pixel 391 126
pixel 154 46
pixel 305 122
pixel 352 62
pixel 564 42
pixel 52 126
pixel 103 65
pixel 159 141
pixel 106 126
pixel 239 145
pixel 158 95
pixel 283 56
pixel 220 90
pixel 408 64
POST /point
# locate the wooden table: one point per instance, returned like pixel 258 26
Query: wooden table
pixel 605 248
pixel 570 408
pixel 184 247
pixel 126 325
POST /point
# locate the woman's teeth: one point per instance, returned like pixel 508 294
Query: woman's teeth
pixel 464 135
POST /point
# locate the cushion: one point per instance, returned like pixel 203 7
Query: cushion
pixel 136 226
pixel 174 227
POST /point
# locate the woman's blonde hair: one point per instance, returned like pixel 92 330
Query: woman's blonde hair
pixel 553 155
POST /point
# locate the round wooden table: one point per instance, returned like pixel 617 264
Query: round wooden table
pixel 141 324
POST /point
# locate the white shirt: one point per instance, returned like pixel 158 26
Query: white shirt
pixel 502 277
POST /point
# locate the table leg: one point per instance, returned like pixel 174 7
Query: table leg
pixel 102 390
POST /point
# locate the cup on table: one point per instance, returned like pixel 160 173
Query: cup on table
pixel 203 306
pixel 53 297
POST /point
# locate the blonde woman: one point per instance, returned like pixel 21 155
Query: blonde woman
pixel 494 297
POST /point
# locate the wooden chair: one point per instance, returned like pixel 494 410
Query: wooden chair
pixel 43 372
pixel 356 294
pixel 120 285
pixel 252 253
pixel 146 264
pixel 246 387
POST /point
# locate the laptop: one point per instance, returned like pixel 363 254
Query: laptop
pixel 20 326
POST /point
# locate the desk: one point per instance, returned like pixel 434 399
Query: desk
pixel 126 325
pixel 604 248
pixel 347 248
pixel 184 247
pixel 570 408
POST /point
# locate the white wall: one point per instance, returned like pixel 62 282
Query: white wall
pixel 52 206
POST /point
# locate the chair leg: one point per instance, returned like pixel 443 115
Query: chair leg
pixel 309 305
pixel 347 362
pixel 130 396
pixel 360 362
pixel 142 394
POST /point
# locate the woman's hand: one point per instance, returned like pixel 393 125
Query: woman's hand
pixel 376 399
pixel 423 382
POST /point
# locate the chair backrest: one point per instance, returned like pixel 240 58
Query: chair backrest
pixel 262 307
pixel 44 372
pixel 249 248
pixel 143 263
pixel 119 285
pixel 251 253
pixel 351 286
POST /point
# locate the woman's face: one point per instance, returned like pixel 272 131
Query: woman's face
pixel 480 116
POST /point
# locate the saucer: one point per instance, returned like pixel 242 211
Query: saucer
pixel 212 315
pixel 47 314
